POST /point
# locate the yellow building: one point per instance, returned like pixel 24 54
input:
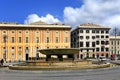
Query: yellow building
pixel 18 39
pixel 115 45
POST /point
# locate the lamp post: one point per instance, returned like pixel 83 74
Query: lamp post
pixel 5 40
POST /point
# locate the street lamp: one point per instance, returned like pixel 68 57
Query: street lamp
pixel 5 40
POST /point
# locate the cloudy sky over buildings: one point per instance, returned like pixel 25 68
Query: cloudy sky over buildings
pixel 72 12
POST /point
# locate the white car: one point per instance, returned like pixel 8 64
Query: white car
pixel 102 58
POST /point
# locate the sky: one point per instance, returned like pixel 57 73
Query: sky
pixel 71 12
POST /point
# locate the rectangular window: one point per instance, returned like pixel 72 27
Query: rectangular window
pixel 97 42
pixel 97 49
pixel 12 40
pixel 97 31
pixel 107 31
pixel 87 31
pixel 102 42
pixel 102 31
pixel 118 42
pixel 81 37
pixel 56 46
pixel 87 44
pixel 107 42
pixel 37 39
pixel 81 31
pixel 66 39
pixel 27 32
pixel 12 55
pixel 93 37
pixel 93 44
pixel 57 40
pixel 107 49
pixel 93 31
pixel 47 31
pixel 87 37
pixel 112 42
pixel 78 32
pixel 102 36
pixel 56 32
pixel 20 32
pixel 81 44
pixel 47 39
pixel 4 38
pixel 27 50
pixel 4 49
pixel 20 56
pixel 97 36
pixel 12 32
pixel 27 39
pixel 19 40
pixel 20 48
pixel 107 36
pixel 102 48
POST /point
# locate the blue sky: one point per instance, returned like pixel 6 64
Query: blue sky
pixel 72 12
pixel 18 10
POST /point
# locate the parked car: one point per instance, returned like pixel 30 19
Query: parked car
pixel 103 59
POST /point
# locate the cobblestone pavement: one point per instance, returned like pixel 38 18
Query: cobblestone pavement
pixel 112 73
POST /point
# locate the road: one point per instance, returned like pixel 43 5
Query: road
pixel 89 74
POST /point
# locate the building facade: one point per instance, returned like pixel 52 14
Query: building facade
pixel 19 40
pixel 91 39
pixel 115 45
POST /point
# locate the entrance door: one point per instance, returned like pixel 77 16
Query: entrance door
pixel 27 57
pixel 87 55
pixel 93 55
pixel 81 56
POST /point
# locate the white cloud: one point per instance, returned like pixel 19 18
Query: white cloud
pixel 105 12
pixel 48 19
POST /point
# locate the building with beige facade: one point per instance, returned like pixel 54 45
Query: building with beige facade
pixel 20 40
pixel 91 39
pixel 115 45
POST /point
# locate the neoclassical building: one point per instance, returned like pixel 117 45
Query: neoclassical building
pixel 20 41
pixel 91 39
pixel 115 45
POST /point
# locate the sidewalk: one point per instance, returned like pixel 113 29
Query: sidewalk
pixel 10 63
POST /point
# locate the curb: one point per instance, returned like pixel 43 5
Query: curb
pixel 58 67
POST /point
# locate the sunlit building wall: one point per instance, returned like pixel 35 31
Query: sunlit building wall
pixel 91 39
pixel 18 39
